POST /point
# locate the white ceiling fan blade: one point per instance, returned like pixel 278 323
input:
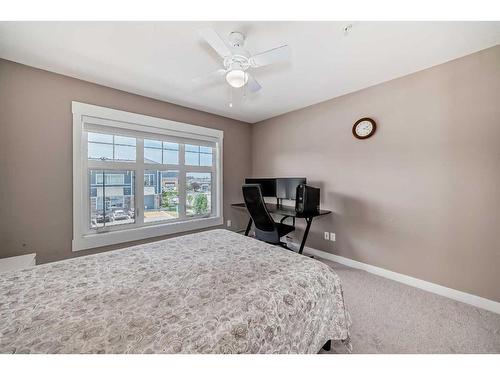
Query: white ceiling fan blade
pixel 270 57
pixel 210 77
pixel 215 41
pixel 252 84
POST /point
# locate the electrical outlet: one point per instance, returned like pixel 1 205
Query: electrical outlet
pixel 327 236
pixel 332 237
pixel 229 223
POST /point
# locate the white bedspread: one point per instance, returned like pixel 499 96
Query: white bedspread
pixel 210 292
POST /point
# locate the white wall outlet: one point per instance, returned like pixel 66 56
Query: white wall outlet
pixel 327 235
pixel 332 237
pixel 229 223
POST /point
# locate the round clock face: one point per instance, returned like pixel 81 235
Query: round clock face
pixel 364 128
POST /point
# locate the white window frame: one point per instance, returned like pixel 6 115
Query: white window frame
pixel 85 238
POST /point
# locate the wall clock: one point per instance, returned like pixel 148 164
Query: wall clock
pixel 364 128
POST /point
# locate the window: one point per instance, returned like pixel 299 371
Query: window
pixel 198 193
pixel 110 177
pixel 198 155
pixel 111 198
pixel 112 147
pixel 158 152
pixel 161 196
pixel 137 176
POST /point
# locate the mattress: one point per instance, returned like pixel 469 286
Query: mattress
pixel 209 292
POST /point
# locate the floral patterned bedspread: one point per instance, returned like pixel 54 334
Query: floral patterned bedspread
pixel 209 292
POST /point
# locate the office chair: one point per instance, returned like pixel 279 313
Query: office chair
pixel 266 229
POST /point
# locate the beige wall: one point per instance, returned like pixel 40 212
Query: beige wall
pixel 36 155
pixel 421 197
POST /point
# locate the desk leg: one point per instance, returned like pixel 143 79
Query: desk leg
pixel 328 346
pixel 249 226
pixel 306 233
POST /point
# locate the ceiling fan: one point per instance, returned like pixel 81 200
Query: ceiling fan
pixel 237 60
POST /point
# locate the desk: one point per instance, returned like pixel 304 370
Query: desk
pixel 286 211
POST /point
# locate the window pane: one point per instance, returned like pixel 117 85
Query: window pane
pixel 115 178
pixel 128 141
pixel 111 202
pixel 192 158
pixel 206 160
pixel 170 157
pixel 96 202
pixel 98 137
pixel 198 155
pixel 161 195
pixel 98 178
pixel 111 178
pixel 152 143
pixel 149 179
pixel 111 147
pixel 99 150
pixel 125 153
pixel 198 194
pixel 152 155
pixel 170 146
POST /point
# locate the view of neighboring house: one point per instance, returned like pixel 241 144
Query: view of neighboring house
pixel 157 182
pixel 161 195
pixel 111 192
pixel 112 196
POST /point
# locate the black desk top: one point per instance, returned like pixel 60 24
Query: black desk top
pixel 285 210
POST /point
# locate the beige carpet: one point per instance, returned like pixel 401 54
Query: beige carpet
pixel 390 317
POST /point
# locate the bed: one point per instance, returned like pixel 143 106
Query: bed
pixel 209 292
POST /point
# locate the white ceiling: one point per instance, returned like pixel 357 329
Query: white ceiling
pixel 159 59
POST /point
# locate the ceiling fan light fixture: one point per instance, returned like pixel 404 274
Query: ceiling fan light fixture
pixel 237 78
pixel 237 61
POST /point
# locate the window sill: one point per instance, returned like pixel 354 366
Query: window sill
pixel 90 241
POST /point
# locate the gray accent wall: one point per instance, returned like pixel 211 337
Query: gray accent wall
pixel 36 156
pixel 422 196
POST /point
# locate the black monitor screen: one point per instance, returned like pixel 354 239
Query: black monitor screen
pixel 267 185
pixel 286 187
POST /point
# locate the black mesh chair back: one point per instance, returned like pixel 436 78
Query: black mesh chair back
pixel 266 229
pixel 257 208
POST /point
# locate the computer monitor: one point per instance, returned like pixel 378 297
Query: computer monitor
pixel 287 187
pixel 267 185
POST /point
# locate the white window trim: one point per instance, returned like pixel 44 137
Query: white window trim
pixel 133 121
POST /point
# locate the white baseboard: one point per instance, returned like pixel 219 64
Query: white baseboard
pixel 456 295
